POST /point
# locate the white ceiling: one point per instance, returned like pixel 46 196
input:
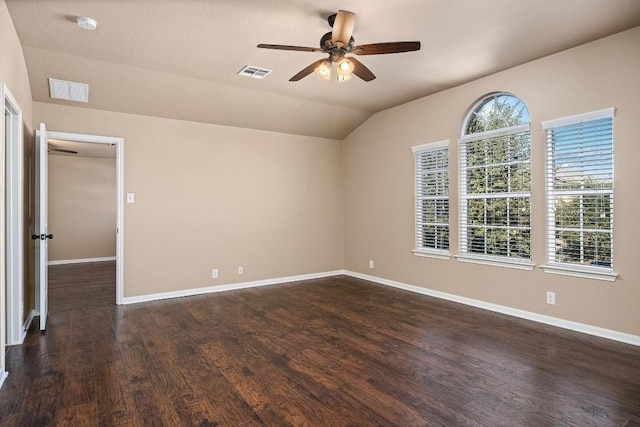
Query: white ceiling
pixel 179 58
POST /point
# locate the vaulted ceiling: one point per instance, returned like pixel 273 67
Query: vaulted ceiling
pixel 179 58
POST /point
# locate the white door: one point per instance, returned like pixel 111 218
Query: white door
pixel 42 234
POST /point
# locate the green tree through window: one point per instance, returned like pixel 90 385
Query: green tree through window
pixel 495 161
pixel 432 197
pixel 580 189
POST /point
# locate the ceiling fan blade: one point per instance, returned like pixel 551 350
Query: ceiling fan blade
pixel 61 150
pixel 343 28
pixel 383 48
pixel 308 70
pixel 361 71
pixel 286 47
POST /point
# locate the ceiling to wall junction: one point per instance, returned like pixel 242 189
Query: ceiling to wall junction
pixel 179 58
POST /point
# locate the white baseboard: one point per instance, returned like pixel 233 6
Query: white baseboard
pixel 79 261
pixel 3 376
pixel 27 324
pixel 232 287
pixel 25 328
pixel 548 320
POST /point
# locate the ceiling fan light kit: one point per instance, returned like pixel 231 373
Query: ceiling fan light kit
pixel 338 43
pixel 343 78
pixel 324 70
pixel 344 66
pixel 344 69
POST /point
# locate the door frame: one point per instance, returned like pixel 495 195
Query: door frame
pixel 119 144
pixel 12 225
pixel 13 245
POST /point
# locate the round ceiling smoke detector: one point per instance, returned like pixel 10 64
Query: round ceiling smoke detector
pixel 87 23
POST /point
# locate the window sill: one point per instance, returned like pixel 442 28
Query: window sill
pixel 583 272
pixel 434 253
pixel 497 261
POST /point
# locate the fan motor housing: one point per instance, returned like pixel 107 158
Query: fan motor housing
pixel 326 44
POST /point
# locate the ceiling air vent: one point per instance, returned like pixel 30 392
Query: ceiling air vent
pixel 69 91
pixel 254 72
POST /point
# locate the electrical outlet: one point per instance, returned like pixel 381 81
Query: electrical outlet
pixel 240 270
pixel 370 263
pixel 551 298
pixel 214 273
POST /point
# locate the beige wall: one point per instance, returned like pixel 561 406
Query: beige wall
pixel 82 207
pixel 213 196
pixel 378 185
pixel 13 73
pixel 13 69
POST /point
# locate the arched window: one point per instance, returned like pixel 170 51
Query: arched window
pixel 494 112
pixel 495 182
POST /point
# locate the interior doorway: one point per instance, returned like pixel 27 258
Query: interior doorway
pixel 82 194
pixel 49 140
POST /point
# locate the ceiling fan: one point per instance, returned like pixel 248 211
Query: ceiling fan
pixel 51 148
pixel 338 43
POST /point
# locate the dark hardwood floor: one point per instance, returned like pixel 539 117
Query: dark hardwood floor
pixel 329 352
pixel 75 286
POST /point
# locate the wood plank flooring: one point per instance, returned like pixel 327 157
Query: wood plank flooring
pixel 74 286
pixel 328 352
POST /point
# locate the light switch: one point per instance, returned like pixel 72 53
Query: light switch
pixel 131 198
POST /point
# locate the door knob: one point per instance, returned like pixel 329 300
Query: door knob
pixel 41 236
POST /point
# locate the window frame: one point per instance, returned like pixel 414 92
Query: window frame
pixel 564 268
pixel 466 138
pixel 421 250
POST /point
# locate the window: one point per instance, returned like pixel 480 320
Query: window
pixel 580 195
pixel 432 199
pixel 495 183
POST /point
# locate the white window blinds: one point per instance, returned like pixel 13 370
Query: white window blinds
pixel 495 193
pixel 580 190
pixel 432 197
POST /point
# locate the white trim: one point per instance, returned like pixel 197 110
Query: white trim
pixel 518 264
pixel 547 320
pixel 119 143
pixel 27 325
pixel 4 305
pixel 432 253
pixel 431 146
pixel 3 376
pixel 231 287
pixel 583 272
pixel 464 196
pixel 14 219
pixel 120 223
pixel 579 118
pixel 98 139
pixel 554 266
pixel 540 318
pixel 419 171
pixel 495 133
pixel 480 101
pixel 81 260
